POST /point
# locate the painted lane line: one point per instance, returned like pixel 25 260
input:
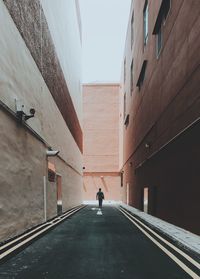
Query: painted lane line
pixel 187 257
pixel 30 232
pixel 99 212
pixel 169 254
pixel 35 235
pixel 15 240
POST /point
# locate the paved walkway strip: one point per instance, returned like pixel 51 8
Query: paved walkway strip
pixel 174 258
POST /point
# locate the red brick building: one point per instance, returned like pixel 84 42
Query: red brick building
pixel 161 93
pixel 101 141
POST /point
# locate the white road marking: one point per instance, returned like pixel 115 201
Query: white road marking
pixel 174 258
pixel 99 212
pixel 195 263
pixel 95 208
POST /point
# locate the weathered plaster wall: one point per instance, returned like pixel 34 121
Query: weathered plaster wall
pixel 32 25
pixel 23 157
pixel 101 127
pixel 64 27
pixel 101 141
pixel 22 167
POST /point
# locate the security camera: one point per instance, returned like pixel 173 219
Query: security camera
pixel 32 113
pixel 52 152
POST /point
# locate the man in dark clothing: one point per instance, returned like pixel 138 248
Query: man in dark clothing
pixel 100 197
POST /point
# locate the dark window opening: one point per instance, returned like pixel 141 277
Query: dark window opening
pixel 131 87
pixel 51 176
pixel 145 22
pixel 142 74
pixel 124 70
pixel 126 122
pixel 159 41
pixel 158 30
pixel 132 29
pixel 124 105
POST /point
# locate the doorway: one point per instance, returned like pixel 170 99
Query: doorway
pixel 59 194
pixel 145 199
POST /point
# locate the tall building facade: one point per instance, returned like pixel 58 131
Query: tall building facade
pixel 101 141
pixel 40 112
pixel 161 96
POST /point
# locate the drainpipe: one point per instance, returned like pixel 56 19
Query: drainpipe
pixel 45 198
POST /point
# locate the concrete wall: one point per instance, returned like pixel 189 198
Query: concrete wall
pixel 165 105
pixel 101 141
pixel 66 37
pixel 23 162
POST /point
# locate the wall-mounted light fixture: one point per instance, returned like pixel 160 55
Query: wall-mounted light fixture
pixel 51 153
pixel 147 145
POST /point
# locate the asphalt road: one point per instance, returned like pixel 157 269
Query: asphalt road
pixel 93 246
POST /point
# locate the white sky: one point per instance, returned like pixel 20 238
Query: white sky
pixel 104 25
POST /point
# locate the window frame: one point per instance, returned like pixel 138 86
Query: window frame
pixel 131 78
pixel 132 29
pixel 145 23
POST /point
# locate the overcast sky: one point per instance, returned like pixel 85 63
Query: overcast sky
pixel 104 25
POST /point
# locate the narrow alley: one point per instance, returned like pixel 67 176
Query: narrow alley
pixel 101 243
pixel 99 139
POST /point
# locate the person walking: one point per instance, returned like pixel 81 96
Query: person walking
pixel 100 197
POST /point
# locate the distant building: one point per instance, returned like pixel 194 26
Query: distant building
pixel 161 114
pixel 101 141
pixel 39 70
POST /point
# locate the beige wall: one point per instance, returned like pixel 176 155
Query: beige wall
pixel 101 140
pixel 22 167
pixel 64 27
pixel 23 162
pixel 101 127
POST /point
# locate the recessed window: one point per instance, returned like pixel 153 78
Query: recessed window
pixel 159 41
pixel 131 85
pixel 145 22
pixel 126 122
pixel 160 21
pixel 142 74
pixel 124 105
pixel 132 29
pixel 124 69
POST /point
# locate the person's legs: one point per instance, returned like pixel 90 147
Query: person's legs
pixel 100 202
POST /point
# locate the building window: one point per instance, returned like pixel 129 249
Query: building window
pixel 159 41
pixel 142 74
pixel 145 21
pixel 124 70
pixel 124 105
pixel 160 21
pixel 131 85
pixel 126 121
pixel 132 29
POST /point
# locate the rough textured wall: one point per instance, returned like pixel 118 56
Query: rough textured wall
pixel 101 127
pixel 31 22
pixel 101 141
pixel 22 167
pixel 56 13
pixel 20 78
